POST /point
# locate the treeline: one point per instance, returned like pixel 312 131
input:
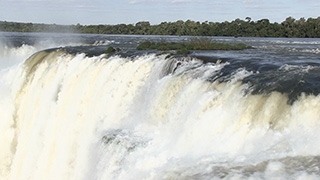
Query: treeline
pixel 302 28
pixel 30 27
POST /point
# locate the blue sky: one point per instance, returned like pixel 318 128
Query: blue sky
pixel 154 11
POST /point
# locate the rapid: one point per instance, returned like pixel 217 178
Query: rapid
pixel 70 111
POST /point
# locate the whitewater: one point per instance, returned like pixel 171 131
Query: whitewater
pixel 70 111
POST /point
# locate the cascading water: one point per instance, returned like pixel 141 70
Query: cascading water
pixel 71 116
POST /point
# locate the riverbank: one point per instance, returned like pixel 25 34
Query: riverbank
pixel 290 27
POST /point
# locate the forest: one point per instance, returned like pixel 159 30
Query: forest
pixel 290 27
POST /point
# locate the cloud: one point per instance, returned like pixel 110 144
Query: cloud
pixel 252 2
pixel 55 4
pixel 31 1
pixel 249 1
pixel 158 1
pixel 180 1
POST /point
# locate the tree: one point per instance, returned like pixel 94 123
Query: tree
pixel 261 28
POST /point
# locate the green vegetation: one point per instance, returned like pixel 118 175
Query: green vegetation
pixel 207 44
pixel 163 46
pixel 302 28
pixel 30 27
pixel 186 48
pixel 110 50
pixel 182 51
pixel 194 44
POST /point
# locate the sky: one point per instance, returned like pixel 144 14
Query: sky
pixel 95 12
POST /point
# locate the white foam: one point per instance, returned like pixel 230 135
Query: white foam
pixel 103 42
pixel 78 117
pixel 13 56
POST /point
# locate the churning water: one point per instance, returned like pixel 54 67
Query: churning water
pixel 76 113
